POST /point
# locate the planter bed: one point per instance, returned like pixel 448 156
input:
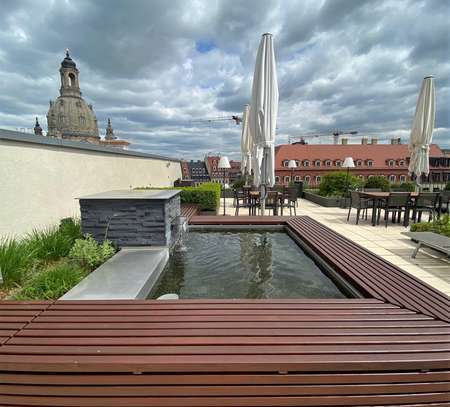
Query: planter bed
pixel 327 201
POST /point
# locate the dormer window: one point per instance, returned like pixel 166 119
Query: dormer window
pixel 306 163
pixel 328 163
pixel 285 163
pixel 317 163
pixel 338 163
pixel 359 163
pixel 391 163
pixel 369 163
pixel 401 163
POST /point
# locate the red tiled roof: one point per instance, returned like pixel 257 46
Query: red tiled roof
pixel 379 153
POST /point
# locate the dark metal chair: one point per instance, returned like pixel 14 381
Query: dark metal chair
pixel 444 202
pixel 396 204
pixel 290 200
pixel 241 200
pixel 425 202
pixel 359 203
pixel 272 201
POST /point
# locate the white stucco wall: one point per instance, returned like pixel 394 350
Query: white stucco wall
pixel 39 183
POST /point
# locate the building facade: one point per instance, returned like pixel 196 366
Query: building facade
pixel 389 160
pixel 235 171
pixel 198 171
pixel 216 175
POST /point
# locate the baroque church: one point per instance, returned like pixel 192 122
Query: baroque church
pixel 69 117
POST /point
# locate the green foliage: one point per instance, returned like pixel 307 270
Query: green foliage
pixel 335 183
pixel 52 282
pixel 377 181
pixel 55 242
pixel 447 186
pixel 440 225
pixel 239 183
pixel 18 258
pixel 15 259
pixel 88 253
pixel 206 195
pixel 404 187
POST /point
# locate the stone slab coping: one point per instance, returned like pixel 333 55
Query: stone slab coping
pixel 130 274
pixel 147 194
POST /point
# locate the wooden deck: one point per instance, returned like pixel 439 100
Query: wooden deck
pixel 391 349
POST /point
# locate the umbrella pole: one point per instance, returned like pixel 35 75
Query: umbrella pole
pixel 263 182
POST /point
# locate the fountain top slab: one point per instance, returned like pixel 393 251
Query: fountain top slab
pixel 147 194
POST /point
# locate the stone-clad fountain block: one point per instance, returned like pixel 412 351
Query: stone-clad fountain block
pixel 132 217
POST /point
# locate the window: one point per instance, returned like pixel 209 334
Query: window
pixel 338 163
pixel 391 163
pixel 402 178
pixel 328 163
pixel 307 178
pixel 297 178
pixel 317 163
pixel 306 163
pixel 71 79
pixel 369 163
pixel 277 178
pixel 287 178
pixel 297 163
pixel 285 163
pixel 359 163
pixel 82 121
pixel 401 163
pixel 392 178
pixel 214 168
pixel 317 179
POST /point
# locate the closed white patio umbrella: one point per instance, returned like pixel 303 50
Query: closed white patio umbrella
pixel 246 145
pixel 263 116
pixel 422 130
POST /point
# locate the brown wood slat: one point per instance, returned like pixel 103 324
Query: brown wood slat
pixel 238 220
pixel 229 378
pixel 230 340
pixel 253 349
pixel 189 210
pixel 264 401
pixel 226 363
pixel 225 390
pixel 372 272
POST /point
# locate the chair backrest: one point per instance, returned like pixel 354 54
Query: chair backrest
pixel 445 196
pixel 272 198
pixel 428 199
pixel 398 199
pixel 373 190
pixel 292 193
pixel 355 198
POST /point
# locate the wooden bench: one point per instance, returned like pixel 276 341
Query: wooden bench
pixel 430 239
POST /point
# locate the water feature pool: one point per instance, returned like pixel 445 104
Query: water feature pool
pixel 243 264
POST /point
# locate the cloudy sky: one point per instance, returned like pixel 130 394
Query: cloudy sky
pixel 158 68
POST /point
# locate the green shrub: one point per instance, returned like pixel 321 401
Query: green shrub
pixel 239 183
pixel 335 183
pixel 88 253
pixel 15 259
pixel 206 195
pixel 52 282
pixel 440 225
pixel 377 181
pixel 404 186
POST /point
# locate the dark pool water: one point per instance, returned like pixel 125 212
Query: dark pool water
pixel 256 264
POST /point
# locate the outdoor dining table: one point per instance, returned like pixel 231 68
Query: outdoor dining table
pixel 254 197
pixel 378 197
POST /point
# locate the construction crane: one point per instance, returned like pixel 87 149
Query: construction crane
pixel 335 133
pixel 237 119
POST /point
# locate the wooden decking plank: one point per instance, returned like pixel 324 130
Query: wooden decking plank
pixel 229 378
pixel 181 349
pixel 386 340
pixel 374 260
pixel 380 283
pixel 227 401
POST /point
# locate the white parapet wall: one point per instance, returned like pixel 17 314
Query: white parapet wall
pixel 41 177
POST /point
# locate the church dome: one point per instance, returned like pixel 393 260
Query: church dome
pixel 69 116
